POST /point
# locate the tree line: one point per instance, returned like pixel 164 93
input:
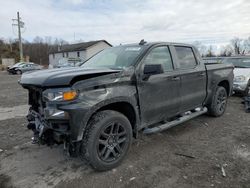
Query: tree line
pixel 236 46
pixel 39 49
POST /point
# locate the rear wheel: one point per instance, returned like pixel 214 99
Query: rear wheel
pixel 219 102
pixel 107 140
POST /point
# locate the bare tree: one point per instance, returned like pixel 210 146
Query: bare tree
pixel 9 49
pixel 226 50
pixel 38 50
pixel 210 52
pixel 246 44
pixel 238 45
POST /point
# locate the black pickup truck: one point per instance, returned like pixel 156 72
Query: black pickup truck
pixel 96 109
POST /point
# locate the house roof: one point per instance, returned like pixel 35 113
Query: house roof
pixel 78 46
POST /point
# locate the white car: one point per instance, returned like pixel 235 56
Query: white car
pixel 15 65
pixel 241 73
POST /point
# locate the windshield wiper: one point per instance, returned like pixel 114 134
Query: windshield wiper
pixel 115 68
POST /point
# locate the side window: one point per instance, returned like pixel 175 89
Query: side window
pixel 186 57
pixel 160 55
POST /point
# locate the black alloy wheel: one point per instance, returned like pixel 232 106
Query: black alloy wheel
pixel 219 102
pixel 107 140
pixel 112 142
pixel 222 101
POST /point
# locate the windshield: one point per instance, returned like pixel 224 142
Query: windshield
pixel 18 64
pixel 239 62
pixel 114 58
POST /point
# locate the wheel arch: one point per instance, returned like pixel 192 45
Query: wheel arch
pixel 226 85
pixel 18 70
pixel 212 89
pixel 124 107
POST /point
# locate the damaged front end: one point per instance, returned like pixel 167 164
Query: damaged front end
pixel 49 124
pixel 42 130
pixel 62 101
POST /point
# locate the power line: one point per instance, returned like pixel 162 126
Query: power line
pixel 20 24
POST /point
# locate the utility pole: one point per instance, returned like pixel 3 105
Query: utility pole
pixel 19 24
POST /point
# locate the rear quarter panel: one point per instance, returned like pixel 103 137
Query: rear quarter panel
pixel 217 73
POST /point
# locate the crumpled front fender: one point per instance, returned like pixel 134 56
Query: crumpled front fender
pixel 81 113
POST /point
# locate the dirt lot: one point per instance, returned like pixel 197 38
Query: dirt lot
pixel 152 160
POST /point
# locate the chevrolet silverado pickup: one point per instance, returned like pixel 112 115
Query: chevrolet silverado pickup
pixel 96 109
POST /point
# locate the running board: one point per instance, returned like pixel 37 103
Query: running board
pixel 178 121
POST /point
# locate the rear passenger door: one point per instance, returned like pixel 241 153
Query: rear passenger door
pixel 193 77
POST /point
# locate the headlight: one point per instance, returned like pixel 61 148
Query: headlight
pixel 240 78
pixel 59 95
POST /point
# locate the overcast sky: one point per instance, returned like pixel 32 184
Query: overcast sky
pixel 125 21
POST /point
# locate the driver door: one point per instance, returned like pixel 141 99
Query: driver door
pixel 159 94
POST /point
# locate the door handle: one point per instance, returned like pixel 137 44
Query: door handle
pixel 202 74
pixel 175 78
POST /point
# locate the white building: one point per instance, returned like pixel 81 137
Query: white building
pixel 76 52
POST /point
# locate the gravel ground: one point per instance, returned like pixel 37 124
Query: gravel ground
pixel 212 143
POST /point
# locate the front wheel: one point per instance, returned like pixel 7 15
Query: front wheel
pixel 19 72
pixel 108 139
pixel 219 102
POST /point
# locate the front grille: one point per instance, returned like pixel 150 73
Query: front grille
pixel 35 100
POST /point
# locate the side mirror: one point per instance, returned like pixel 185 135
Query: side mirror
pixel 151 69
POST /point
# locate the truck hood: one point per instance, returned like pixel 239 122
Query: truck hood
pixel 242 71
pixel 61 76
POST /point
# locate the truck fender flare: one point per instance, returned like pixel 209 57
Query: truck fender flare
pixel 213 89
pixel 98 106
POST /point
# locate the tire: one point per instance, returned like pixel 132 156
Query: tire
pixel 219 102
pixel 18 72
pixel 107 140
pixel 245 93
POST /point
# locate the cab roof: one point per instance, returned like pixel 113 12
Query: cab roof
pixel 149 44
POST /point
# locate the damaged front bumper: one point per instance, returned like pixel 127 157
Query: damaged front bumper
pixel 240 87
pixel 54 121
pixel 47 131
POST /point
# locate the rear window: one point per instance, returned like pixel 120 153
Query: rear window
pixel 186 57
